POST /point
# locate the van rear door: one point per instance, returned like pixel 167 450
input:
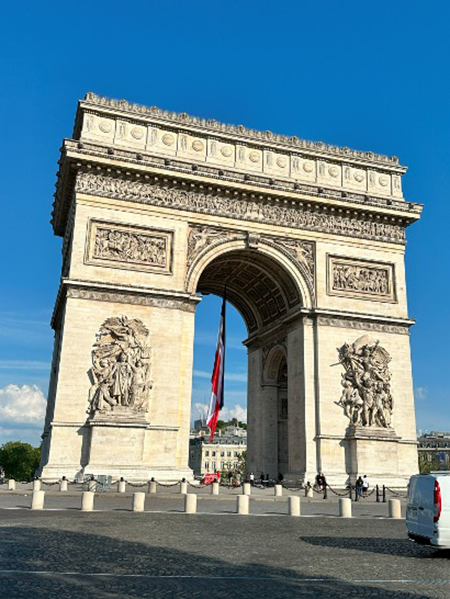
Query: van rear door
pixel 425 506
pixel 411 509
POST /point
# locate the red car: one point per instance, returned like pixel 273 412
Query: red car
pixel 213 477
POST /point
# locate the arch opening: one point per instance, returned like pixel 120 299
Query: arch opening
pixel 259 287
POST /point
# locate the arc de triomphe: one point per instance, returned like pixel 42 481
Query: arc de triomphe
pixel 156 208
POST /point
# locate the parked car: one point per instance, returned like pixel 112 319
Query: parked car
pixel 428 509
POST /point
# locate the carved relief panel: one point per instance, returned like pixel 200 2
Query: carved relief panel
pixel 361 278
pixel 129 247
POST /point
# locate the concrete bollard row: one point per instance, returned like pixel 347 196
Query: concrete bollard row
pixel 215 489
pixel 243 505
pixel 183 488
pixel 92 486
pixel 294 505
pixel 11 484
pixel 190 503
pixel 37 500
pixel 87 501
pixel 63 485
pixel 138 502
pixel 345 507
pixel 246 489
pixel 278 491
pixel 395 508
pixel 121 486
pixel 36 485
pixel 152 486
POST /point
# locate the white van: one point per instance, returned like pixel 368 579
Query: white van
pixel 428 509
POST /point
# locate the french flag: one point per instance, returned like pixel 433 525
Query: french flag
pixel 217 380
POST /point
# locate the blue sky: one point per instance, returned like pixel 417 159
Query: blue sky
pixel 371 76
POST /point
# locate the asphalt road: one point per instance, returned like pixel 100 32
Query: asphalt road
pixel 120 554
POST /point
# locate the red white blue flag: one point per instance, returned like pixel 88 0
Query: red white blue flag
pixel 217 379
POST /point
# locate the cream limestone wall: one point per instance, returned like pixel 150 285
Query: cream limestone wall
pixel 151 173
pixel 171 334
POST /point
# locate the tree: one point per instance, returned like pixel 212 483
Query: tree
pixel 242 463
pixel 19 460
pixel 426 465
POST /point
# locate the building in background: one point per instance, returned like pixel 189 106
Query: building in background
pixel 434 451
pixel 224 453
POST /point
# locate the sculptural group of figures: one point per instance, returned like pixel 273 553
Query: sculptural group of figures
pixel 120 367
pixel 366 396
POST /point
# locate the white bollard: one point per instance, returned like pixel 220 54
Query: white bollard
pixel 152 486
pixel 63 485
pixel 121 486
pixel 87 501
pixel 395 508
pixel 138 502
pixel 246 489
pixel 278 491
pixel 92 486
pixel 190 503
pixel 36 485
pixel 183 488
pixel 294 505
pixel 37 500
pixel 243 504
pixel 11 484
pixel 309 493
pixel 345 507
pixel 215 489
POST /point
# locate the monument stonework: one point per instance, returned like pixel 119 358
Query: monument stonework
pixel 157 208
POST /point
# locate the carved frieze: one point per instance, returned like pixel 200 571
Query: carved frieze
pixel 366 396
pixel 267 210
pixel 361 278
pixel 131 298
pixel 129 247
pixel 363 325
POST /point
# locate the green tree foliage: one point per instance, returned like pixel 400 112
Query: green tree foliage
pixel 19 460
pixel 426 466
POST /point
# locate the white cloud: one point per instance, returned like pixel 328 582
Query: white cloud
pixel 22 406
pixel 237 411
pixel 420 393
pixel 239 377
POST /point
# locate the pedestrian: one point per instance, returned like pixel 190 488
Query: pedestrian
pixel 280 478
pixel 252 479
pixel 365 486
pixel 320 481
pixel 359 486
pixel 230 476
pixel 261 478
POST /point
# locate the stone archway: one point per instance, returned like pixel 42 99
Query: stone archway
pixel 154 207
pixel 266 287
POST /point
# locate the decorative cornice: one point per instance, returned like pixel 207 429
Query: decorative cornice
pixel 268 210
pixel 290 142
pixel 364 325
pixel 111 293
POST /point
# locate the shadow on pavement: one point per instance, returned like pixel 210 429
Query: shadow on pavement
pixel 399 547
pixel 40 562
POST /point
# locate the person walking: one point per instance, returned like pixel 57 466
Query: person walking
pixel 359 486
pixel 365 486
pixel 252 479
